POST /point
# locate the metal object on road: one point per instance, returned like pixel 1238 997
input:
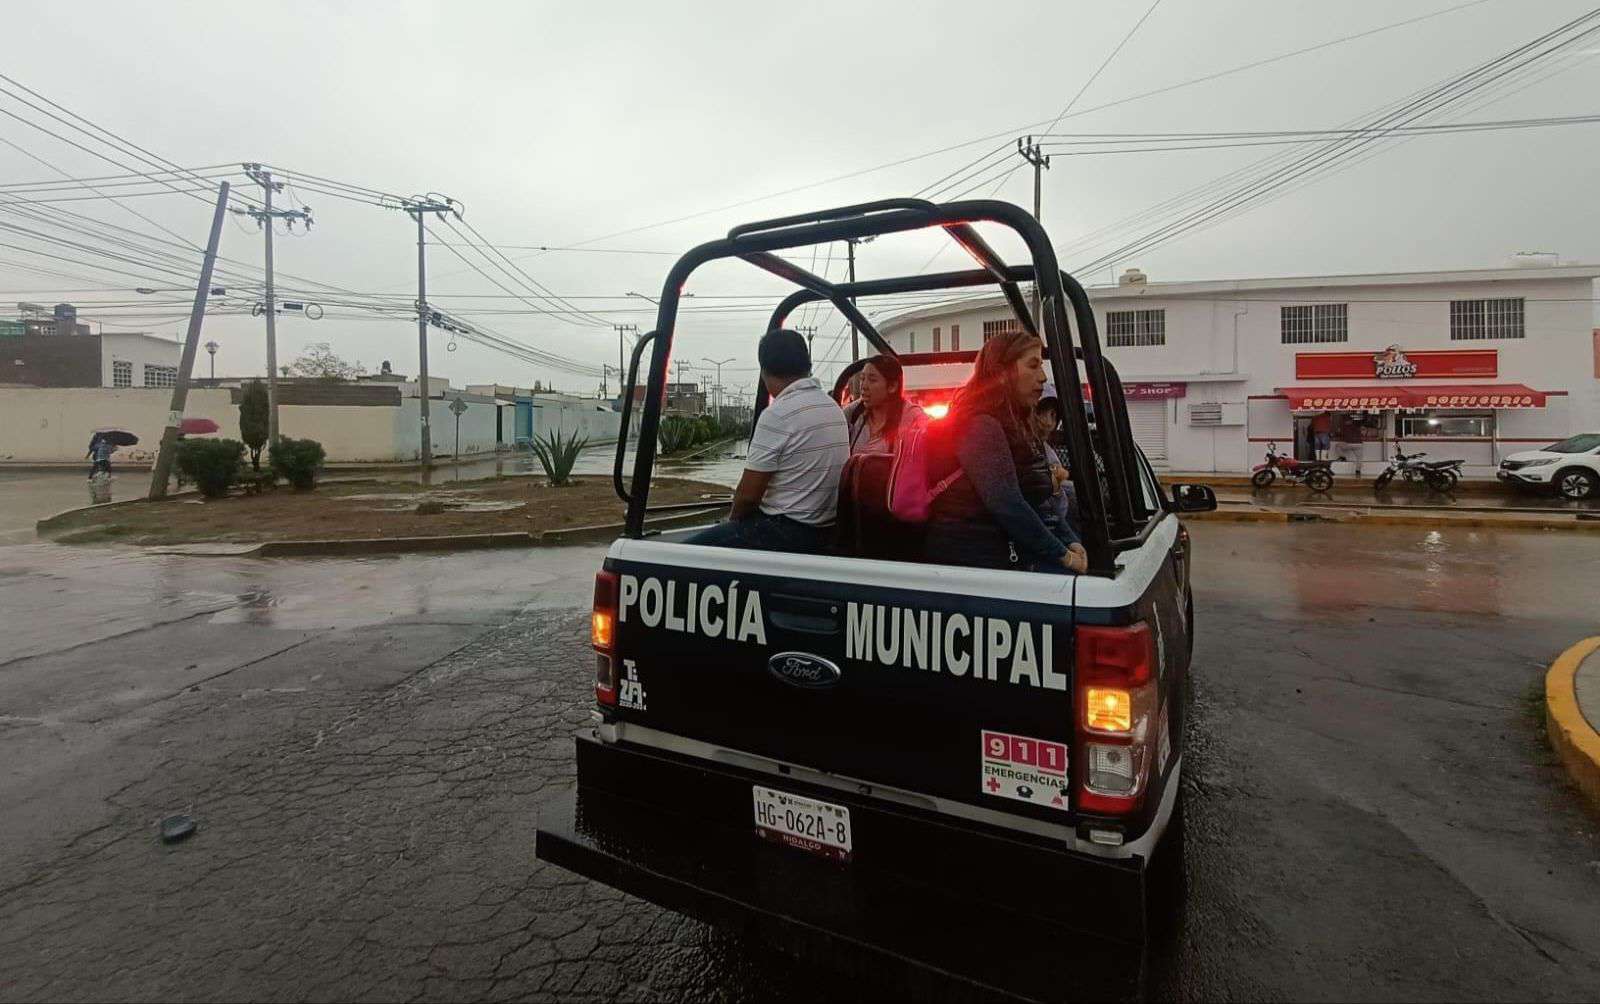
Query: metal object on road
pixel 176 828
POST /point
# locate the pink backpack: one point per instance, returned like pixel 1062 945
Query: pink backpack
pixel 910 495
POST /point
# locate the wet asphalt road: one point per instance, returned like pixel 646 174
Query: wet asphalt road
pixel 1372 811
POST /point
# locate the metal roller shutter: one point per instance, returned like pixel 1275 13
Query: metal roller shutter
pixel 1148 419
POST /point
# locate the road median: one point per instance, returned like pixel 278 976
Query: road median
pixel 1572 714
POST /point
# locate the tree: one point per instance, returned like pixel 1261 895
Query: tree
pixel 253 419
pixel 320 362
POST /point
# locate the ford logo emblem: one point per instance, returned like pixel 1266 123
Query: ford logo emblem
pixel 799 669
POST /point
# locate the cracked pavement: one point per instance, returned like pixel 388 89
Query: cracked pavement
pixel 1372 811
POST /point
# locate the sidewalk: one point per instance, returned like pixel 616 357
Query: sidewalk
pixel 1473 495
pixel 1572 714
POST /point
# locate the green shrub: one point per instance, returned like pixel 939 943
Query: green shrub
pixel 211 464
pixel 253 421
pixel 297 461
pixel 558 454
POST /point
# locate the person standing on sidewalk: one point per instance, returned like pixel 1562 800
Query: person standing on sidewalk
pixel 1322 435
pixel 100 448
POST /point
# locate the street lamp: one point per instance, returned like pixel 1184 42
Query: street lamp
pixel 718 363
pixel 212 348
pixel 683 296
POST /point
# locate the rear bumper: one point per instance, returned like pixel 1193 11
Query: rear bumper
pixel 965 900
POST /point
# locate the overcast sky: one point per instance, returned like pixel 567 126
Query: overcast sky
pixel 556 124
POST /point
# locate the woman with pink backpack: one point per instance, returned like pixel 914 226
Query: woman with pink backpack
pixel 990 484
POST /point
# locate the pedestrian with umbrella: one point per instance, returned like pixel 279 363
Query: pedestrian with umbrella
pixel 103 444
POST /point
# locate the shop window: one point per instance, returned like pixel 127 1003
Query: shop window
pixel 1005 327
pixel 955 345
pixel 160 376
pixel 1128 328
pixel 1470 426
pixel 1481 319
pixel 936 345
pixel 121 373
pixel 1312 323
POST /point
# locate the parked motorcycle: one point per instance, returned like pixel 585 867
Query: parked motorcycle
pixel 1318 474
pixel 1439 475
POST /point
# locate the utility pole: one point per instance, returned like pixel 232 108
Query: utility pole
pixel 1041 162
pixel 810 331
pixel 191 340
pixel 718 391
pixel 623 330
pixel 418 207
pixel 264 217
pixel 850 252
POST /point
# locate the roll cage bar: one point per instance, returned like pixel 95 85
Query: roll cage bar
pixel 1105 469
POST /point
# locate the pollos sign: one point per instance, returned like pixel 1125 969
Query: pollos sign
pixel 1393 363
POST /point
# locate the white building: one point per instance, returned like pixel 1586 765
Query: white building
pixel 1469 363
pixel 140 360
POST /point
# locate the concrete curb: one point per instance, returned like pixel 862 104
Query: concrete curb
pixel 601 532
pixel 388 545
pixel 1575 740
pixel 1358 516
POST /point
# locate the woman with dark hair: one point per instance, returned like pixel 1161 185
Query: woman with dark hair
pixel 881 416
pixel 997 508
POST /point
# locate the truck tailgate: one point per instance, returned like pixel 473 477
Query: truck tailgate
pixel 954 684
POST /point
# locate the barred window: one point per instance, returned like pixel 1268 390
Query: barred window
pixel 121 373
pixel 1479 319
pixel 1126 328
pixel 936 345
pixel 955 338
pixel 1005 327
pixel 1310 323
pixel 160 376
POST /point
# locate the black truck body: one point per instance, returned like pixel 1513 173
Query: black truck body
pixel 909 758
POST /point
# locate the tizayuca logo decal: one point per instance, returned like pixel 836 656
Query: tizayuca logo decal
pixel 800 669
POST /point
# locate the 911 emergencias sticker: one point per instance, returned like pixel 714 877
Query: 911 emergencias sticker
pixel 1024 769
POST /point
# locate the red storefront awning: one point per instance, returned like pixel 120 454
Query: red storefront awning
pixel 1466 395
pixel 1346 398
pixel 1387 397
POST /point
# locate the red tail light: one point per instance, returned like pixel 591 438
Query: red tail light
pixel 603 636
pixel 1116 716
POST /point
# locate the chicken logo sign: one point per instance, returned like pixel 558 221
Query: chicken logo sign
pixel 1392 363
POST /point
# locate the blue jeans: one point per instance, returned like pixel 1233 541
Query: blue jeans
pixel 762 532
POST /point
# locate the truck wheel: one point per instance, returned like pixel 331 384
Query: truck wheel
pixel 1319 480
pixel 1262 478
pixel 1382 481
pixel 1577 484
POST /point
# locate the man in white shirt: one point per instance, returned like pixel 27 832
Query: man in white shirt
pixel 789 494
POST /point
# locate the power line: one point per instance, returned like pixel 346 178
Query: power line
pixel 1319 160
pixel 1010 133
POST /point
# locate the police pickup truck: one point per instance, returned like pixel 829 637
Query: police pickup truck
pixel 955 766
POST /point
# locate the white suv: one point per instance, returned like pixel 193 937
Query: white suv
pixel 1571 467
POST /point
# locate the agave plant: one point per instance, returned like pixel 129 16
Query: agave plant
pixel 675 433
pixel 557 454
